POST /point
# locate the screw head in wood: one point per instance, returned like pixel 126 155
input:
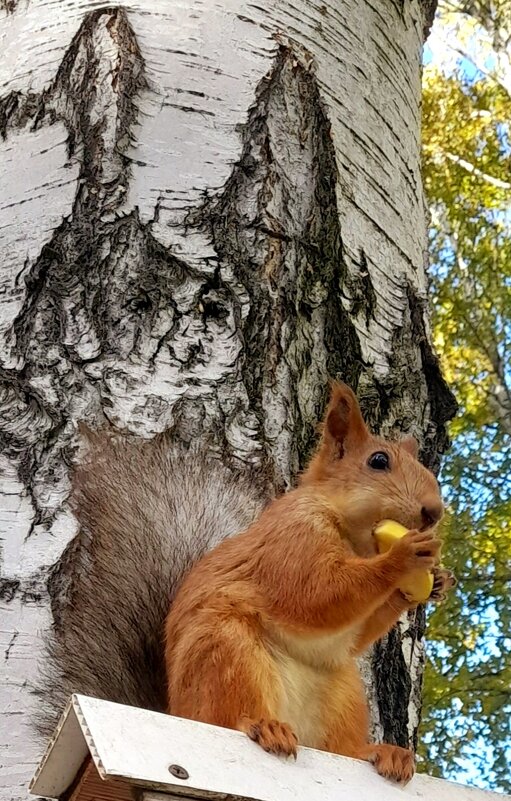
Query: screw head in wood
pixel 179 772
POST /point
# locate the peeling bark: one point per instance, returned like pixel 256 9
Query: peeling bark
pixel 206 212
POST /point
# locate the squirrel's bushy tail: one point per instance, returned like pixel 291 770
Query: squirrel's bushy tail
pixel 147 511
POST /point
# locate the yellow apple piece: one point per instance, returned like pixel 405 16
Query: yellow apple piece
pixel 418 584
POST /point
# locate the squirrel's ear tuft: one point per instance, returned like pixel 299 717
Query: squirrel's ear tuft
pixel 411 446
pixel 343 426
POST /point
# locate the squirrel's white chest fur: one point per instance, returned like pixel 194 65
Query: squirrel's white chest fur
pixel 306 668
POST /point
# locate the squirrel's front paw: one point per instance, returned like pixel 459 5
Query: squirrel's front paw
pixel 273 736
pixel 391 761
pixel 443 581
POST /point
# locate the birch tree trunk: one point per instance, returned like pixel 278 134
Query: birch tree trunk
pixel 206 210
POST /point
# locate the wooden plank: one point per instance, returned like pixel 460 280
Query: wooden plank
pixel 65 755
pixel 91 787
pixel 140 747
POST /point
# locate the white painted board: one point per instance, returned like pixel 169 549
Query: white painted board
pixel 139 746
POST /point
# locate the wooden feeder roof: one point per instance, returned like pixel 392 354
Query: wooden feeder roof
pixel 108 752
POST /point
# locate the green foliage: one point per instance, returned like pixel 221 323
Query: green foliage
pixel 466 729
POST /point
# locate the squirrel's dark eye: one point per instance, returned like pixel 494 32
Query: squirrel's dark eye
pixel 379 461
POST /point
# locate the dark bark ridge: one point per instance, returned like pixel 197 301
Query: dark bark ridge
pixel 428 9
pixel 94 295
pixel 8 5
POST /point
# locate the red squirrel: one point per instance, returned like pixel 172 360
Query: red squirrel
pixel 264 631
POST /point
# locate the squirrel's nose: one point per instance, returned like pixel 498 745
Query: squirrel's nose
pixel 431 513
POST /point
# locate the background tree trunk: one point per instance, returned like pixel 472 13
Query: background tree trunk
pixel 207 209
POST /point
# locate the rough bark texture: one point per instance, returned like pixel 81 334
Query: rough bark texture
pixel 205 212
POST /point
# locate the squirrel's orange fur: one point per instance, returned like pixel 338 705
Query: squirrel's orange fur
pixel 264 631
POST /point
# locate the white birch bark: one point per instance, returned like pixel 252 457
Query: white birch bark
pixel 206 209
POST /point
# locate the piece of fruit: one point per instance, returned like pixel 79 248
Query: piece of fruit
pixel 418 584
